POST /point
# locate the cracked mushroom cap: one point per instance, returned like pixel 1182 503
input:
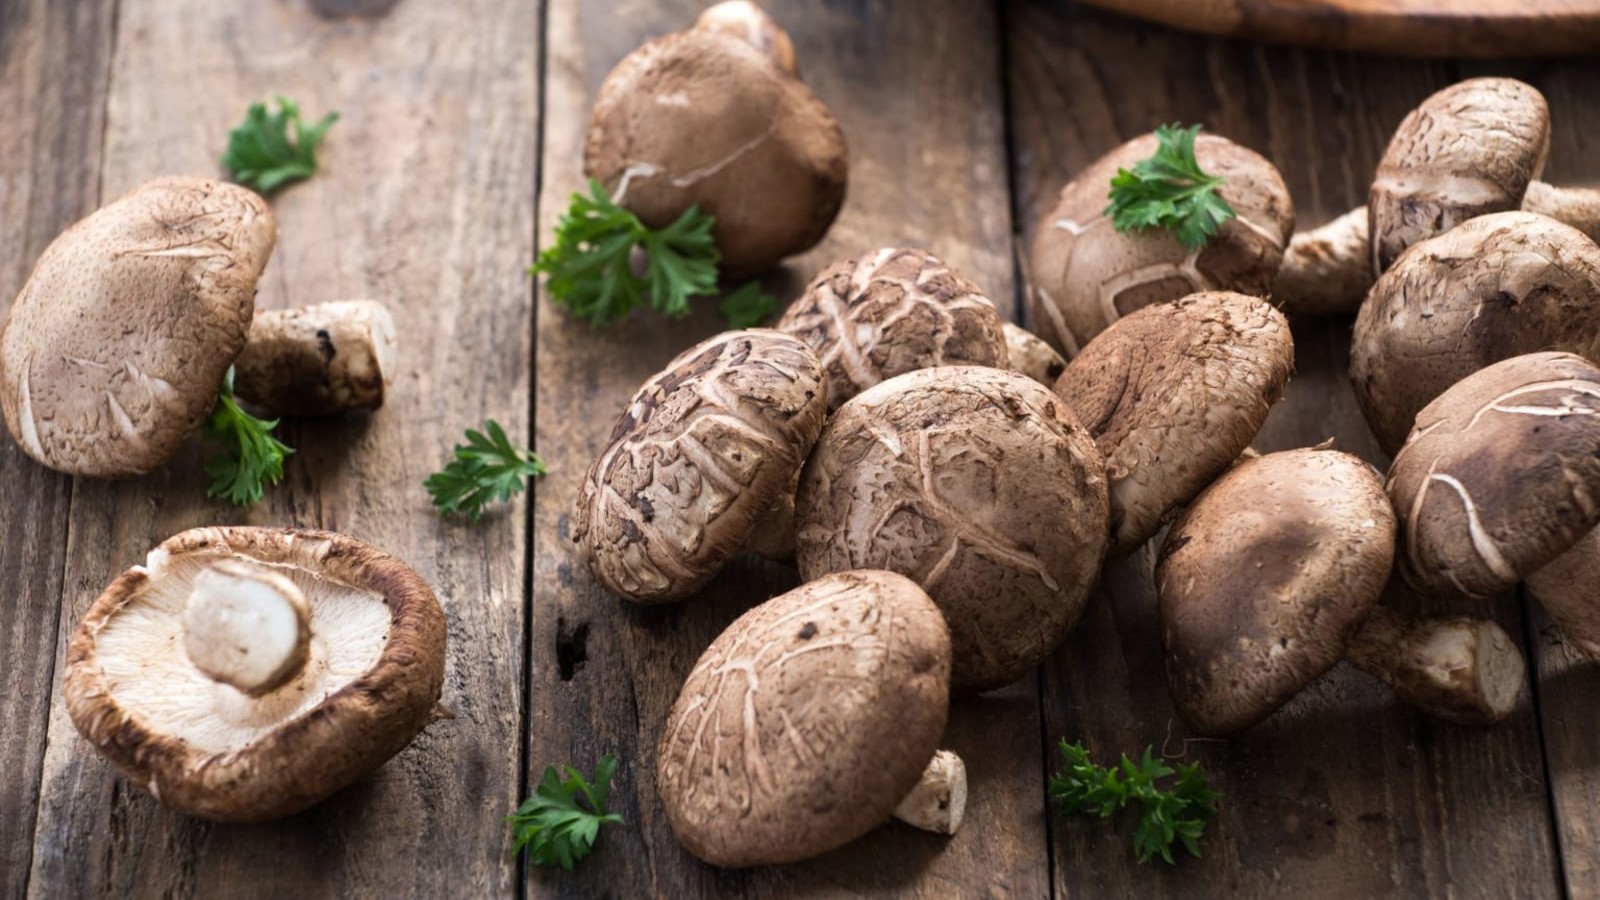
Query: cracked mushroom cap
pixel 1173 394
pixel 889 312
pixel 807 721
pixel 703 118
pixel 978 484
pixel 113 353
pixel 699 457
pixel 1466 151
pixel 1500 475
pixel 1498 286
pixel 1264 580
pixel 1084 274
pixel 244 674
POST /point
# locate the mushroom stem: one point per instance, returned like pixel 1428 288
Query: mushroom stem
pixel 750 23
pixel 1464 669
pixel 318 360
pixel 1578 207
pixel 246 626
pixel 939 801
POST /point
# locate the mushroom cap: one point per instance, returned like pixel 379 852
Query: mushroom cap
pixel 807 721
pixel 1500 476
pixel 750 23
pixel 702 118
pixel 980 485
pixel 1172 395
pixel 1466 151
pixel 1565 587
pixel 1494 287
pixel 1264 580
pixel 889 312
pixel 375 670
pixel 114 351
pixel 1028 353
pixel 701 454
pixel 1084 274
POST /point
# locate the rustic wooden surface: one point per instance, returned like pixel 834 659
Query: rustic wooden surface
pixel 462 131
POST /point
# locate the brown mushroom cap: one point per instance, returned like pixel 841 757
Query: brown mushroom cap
pixel 982 487
pixel 702 118
pixel 1491 288
pixel 807 721
pixel 1028 353
pixel 1500 476
pixel 1172 395
pixel 1466 151
pixel 889 312
pixel 1265 578
pixel 113 353
pixel 1565 587
pixel 371 681
pixel 1084 274
pixel 701 453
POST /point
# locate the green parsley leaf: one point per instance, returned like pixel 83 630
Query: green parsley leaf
pixel 485 469
pixel 748 306
pixel 589 270
pixel 251 456
pixel 1166 815
pixel 1169 190
pixel 555 828
pixel 261 154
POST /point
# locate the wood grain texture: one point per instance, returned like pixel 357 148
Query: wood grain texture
pixel 1343 793
pixel 424 201
pixel 55 62
pixel 916 87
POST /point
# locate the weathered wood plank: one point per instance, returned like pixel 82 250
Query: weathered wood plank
pixel 425 201
pixel 917 89
pixel 55 62
pixel 1343 793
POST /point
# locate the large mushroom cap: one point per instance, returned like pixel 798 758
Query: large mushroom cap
pixel 807 721
pixel 114 351
pixel 980 485
pixel 1264 580
pixel 1500 475
pixel 364 683
pixel 1468 150
pixel 1084 274
pixel 1172 395
pixel 702 118
pixel 1492 288
pixel 702 452
pixel 889 312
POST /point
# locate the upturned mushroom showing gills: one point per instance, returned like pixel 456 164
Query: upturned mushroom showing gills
pixel 1172 394
pixel 243 674
pixel 710 118
pixel 889 312
pixel 1084 274
pixel 809 721
pixel 978 484
pixel 698 458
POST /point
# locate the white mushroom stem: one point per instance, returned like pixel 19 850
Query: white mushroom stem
pixel 1578 207
pixel 246 626
pixel 750 23
pixel 939 801
pixel 318 360
pixel 1463 669
pixel 1566 589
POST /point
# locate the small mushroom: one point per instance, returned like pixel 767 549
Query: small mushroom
pixel 707 118
pixel 1500 475
pixel 702 452
pixel 317 360
pixel 1565 586
pixel 1028 353
pixel 978 484
pixel 1173 394
pixel 889 312
pixel 1084 274
pixel 809 721
pixel 244 674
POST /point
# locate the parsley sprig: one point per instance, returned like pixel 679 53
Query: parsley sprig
pixel 487 468
pixel 747 307
pixel 251 457
pixel 1169 190
pixel 556 828
pixel 262 156
pixel 1178 813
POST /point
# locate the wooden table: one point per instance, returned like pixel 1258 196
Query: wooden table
pixel 459 146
